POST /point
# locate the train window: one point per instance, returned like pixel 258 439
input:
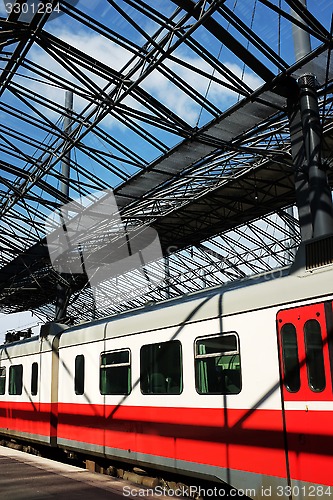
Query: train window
pixel 217 364
pixel 292 380
pixel 15 379
pixel 79 375
pixel 34 379
pixel 2 380
pixel 161 368
pixel 314 355
pixel 115 372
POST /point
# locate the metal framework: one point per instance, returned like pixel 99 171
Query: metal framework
pixel 180 106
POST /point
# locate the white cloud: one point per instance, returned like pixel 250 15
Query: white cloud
pixel 96 46
pixel 155 83
pixel 167 92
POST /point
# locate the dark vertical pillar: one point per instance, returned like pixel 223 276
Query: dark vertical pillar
pixel 313 195
pixel 63 290
pixel 300 167
pixel 62 300
pixel 302 47
pixel 66 162
pixel 320 197
pixel 167 276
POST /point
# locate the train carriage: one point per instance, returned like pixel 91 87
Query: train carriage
pixel 29 388
pixel 154 394
pixel 231 384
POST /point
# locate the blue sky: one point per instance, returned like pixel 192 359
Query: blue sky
pixel 18 321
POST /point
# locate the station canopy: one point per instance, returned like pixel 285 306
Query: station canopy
pixel 177 106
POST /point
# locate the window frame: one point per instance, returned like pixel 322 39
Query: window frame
pixel 13 369
pixel 218 354
pixel 310 363
pixel 286 373
pixel 34 379
pixel 146 372
pixel 4 377
pixel 117 365
pixel 79 378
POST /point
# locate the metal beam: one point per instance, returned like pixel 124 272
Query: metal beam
pixel 195 9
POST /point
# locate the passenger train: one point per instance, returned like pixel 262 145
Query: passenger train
pixel 232 384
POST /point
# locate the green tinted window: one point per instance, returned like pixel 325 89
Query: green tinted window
pixel 15 379
pixel 115 372
pixel 161 368
pixel 2 380
pixel 217 364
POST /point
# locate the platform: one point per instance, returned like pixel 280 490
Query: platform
pixel 28 477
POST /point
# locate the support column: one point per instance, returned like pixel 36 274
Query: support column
pixel 63 290
pixel 320 197
pixel 300 168
pixel 66 162
pixel 313 195
pixel 302 47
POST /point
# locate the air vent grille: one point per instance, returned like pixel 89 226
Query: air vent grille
pixel 319 253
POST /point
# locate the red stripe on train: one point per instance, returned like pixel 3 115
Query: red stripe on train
pixel 244 440
pixel 31 418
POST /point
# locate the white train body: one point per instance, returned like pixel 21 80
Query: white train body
pixel 246 395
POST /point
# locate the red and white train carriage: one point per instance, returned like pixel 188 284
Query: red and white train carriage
pixel 232 384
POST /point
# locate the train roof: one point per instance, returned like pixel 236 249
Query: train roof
pixel 309 277
pixel 274 289
pixel 33 345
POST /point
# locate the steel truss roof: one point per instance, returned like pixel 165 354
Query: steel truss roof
pixel 180 107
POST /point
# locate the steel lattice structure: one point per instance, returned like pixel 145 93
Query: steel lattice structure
pixel 180 107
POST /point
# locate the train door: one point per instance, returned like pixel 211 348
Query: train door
pixel 305 347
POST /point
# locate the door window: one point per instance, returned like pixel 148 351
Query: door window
pixel 292 378
pixel 314 355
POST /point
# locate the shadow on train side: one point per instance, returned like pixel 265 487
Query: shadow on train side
pixel 220 434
